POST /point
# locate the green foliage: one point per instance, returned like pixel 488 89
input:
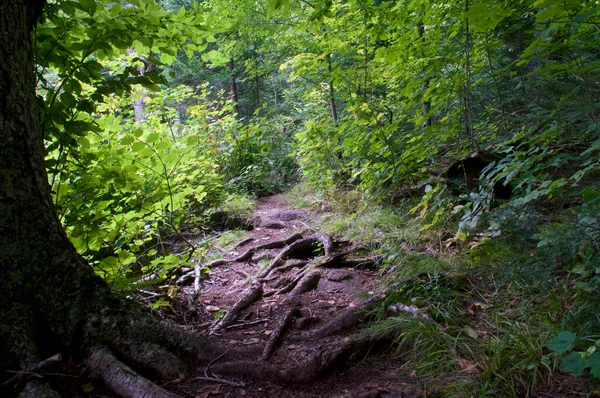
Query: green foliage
pixel 370 100
pixel 562 343
pixel 136 182
pixel 258 158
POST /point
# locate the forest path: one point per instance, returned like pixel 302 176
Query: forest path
pixel 296 300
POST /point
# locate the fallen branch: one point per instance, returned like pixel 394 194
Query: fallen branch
pixel 246 324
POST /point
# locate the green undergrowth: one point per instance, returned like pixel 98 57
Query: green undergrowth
pixel 505 309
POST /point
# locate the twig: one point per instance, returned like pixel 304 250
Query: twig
pixel 197 285
pixel 238 384
pixel 39 374
pixel 215 360
pixel 31 370
pixel 242 325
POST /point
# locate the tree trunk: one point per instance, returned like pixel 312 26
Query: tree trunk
pixel 332 106
pixel 52 299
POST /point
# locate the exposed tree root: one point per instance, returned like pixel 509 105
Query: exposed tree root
pixel 324 359
pixel 345 320
pixel 339 260
pixel 253 293
pixel 274 225
pixel 360 263
pixel 278 333
pixel 299 247
pixel 38 389
pixel 337 257
pixel 154 359
pixel 242 243
pixel 121 379
pixel 291 284
pixel 325 240
pixel 291 264
pixel 247 255
pixel 307 283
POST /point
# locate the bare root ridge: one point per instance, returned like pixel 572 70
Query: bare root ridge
pixel 308 282
pixel 121 379
pixel 252 294
pixel 38 389
pixel 345 319
pixel 300 247
pixel 247 255
pixel 325 358
pixel 277 335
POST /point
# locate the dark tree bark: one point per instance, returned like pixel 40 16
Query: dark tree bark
pixel 52 299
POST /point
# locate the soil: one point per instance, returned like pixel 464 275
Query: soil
pixel 376 374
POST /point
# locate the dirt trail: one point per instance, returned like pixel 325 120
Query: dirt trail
pixel 293 298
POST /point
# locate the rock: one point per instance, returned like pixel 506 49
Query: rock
pixel 274 225
pixel 338 275
pixel 288 215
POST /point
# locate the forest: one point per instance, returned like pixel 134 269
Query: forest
pixel 314 198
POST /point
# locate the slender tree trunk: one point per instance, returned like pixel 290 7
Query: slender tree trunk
pixel 257 88
pixel 366 60
pixel 332 106
pixel 426 103
pixel 234 87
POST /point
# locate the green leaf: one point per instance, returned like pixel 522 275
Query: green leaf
pixel 84 142
pixel 573 363
pixel 562 343
pixel 590 195
pixel 153 137
pixel 160 303
pixel 88 6
pixel 138 146
pixel 484 17
pixel 593 362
